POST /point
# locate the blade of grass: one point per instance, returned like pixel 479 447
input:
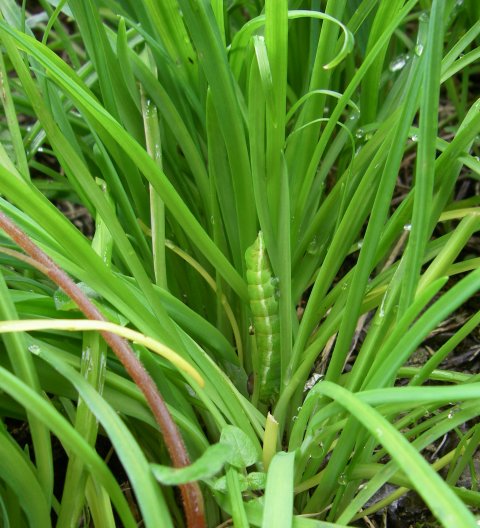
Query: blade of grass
pixel 426 154
pixel 150 499
pixel 116 134
pixel 201 23
pixel 11 118
pixel 50 417
pixel 22 479
pixel 276 42
pixel 93 368
pixel 444 504
pixel 279 492
pixel 24 368
pixel 239 515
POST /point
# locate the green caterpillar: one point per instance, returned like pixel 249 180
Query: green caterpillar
pixel 264 306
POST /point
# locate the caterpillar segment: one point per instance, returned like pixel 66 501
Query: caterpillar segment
pixel 264 307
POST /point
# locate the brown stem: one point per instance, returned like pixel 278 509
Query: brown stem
pixel 191 493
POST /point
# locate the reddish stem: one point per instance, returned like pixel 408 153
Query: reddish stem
pixel 191 493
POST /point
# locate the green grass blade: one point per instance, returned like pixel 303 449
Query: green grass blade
pixel 276 41
pixel 239 515
pixel 11 118
pixel 150 499
pixel 443 503
pixel 71 439
pixel 279 492
pixel 24 368
pixel 20 476
pixel 201 23
pixel 425 167
pixel 114 133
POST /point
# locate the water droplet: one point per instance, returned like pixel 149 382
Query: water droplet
pixel 418 50
pixel 360 244
pixel 407 227
pixel 212 220
pixel 40 149
pixel 368 136
pixel 379 432
pixel 414 137
pixel 150 109
pixel 398 63
pixel 360 133
pixel 275 281
pixel 317 451
pixel 294 418
pixel 313 247
pixel 191 391
pixel 423 16
pixel 381 310
pixel 157 151
pixel 342 480
pixel 34 349
pixel 450 415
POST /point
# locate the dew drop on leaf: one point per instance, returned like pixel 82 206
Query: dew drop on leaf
pixel 423 17
pixel 398 63
pixel 34 349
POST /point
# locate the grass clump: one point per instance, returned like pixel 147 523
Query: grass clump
pixel 280 199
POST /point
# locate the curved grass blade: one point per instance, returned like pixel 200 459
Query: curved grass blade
pixel 21 477
pixel 440 498
pixel 149 497
pixel 46 413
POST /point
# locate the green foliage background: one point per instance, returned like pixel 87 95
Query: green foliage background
pixel 183 128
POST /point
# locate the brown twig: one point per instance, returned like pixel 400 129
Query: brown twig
pixel 191 493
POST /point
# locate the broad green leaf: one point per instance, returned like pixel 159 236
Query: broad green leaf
pixel 242 452
pixel 205 467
